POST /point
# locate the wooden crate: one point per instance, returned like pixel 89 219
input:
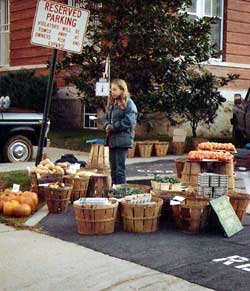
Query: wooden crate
pixel 141 218
pixel 57 199
pixel 95 219
pixel 193 168
pixel 98 156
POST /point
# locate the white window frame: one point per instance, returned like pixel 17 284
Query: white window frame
pixel 200 12
pixel 4 30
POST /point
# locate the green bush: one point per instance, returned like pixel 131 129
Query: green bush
pixel 25 90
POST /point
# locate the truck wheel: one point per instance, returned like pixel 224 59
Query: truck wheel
pixel 238 137
pixel 18 149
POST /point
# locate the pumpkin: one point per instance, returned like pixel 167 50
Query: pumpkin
pixel 9 206
pixel 8 197
pixel 28 200
pixel 22 210
pixel 33 195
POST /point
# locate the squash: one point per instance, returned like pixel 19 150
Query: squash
pixel 22 210
pixel 9 206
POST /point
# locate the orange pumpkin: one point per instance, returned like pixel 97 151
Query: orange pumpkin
pixel 28 200
pixel 33 195
pixel 9 206
pixel 22 210
pixel 7 197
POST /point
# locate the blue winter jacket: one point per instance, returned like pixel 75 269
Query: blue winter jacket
pixel 122 124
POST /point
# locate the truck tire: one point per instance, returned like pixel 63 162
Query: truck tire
pixel 18 149
pixel 238 137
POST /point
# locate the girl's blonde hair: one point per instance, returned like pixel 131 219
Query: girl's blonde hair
pixel 125 95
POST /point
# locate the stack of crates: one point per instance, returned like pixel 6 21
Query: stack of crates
pixel 212 185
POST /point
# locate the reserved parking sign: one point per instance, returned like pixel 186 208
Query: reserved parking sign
pixel 59 26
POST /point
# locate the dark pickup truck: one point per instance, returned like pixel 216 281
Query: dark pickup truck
pixel 241 119
pixel 19 132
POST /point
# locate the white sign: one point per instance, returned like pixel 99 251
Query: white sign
pixel 102 89
pixel 59 26
pixel 15 188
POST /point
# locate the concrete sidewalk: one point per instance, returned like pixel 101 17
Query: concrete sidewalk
pixel 32 261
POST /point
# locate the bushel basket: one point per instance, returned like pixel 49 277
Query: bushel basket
pixel 141 218
pixel 192 214
pixel 95 219
pixel 239 201
pixel 57 199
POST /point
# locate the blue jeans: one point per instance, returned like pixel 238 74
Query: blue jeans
pixel 117 158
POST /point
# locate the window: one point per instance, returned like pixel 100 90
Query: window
pixel 4 32
pixel 209 8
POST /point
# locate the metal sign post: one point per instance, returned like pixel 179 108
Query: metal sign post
pixel 47 106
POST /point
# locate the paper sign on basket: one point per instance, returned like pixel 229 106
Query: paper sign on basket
pixel 28 168
pixel 179 198
pixel 15 188
pixel 173 202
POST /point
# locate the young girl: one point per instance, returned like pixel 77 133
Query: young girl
pixel 119 123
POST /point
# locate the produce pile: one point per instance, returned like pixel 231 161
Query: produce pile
pixel 46 167
pixel 57 186
pixel 18 204
pixel 166 179
pixel 210 155
pixel 215 146
pixel 123 191
pixel 165 184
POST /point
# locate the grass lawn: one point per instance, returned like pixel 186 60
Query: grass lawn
pixel 74 139
pixel 21 178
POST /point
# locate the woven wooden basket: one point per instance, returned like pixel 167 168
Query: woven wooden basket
pixel 144 188
pixel 192 215
pixel 145 148
pixel 240 202
pixel 96 219
pixel 179 164
pixel 161 148
pixel 178 148
pixel 80 188
pixel 57 199
pixel 141 218
pixel 166 196
pixel 35 182
pixel 131 151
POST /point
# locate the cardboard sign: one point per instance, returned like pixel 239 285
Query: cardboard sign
pixel 226 215
pixel 59 26
pixel 179 135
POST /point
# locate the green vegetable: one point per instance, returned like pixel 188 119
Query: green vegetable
pixel 124 191
pixel 166 179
